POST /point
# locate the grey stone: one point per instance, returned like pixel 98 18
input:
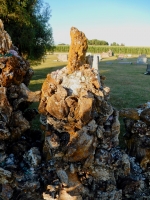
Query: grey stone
pixel 95 65
pixel 142 59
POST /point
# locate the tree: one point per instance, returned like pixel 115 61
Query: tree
pixel 27 22
pixel 114 44
pixel 97 42
pixel 122 44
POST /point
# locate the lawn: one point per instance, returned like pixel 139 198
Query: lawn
pixel 128 85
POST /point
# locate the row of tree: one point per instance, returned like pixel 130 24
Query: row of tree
pixel 97 42
pixel 27 22
pixel 116 44
pixel 103 42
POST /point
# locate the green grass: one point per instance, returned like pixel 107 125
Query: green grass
pixel 128 84
pixel 129 87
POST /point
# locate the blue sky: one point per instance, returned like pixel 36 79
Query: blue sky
pixel 121 21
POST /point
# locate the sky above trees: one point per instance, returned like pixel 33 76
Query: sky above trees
pixel 121 21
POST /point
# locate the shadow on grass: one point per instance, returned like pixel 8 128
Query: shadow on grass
pixel 44 71
pixel 40 75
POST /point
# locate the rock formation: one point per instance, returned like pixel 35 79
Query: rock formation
pixel 77 51
pixel 15 98
pixel 77 155
pixel 81 135
pixel 137 134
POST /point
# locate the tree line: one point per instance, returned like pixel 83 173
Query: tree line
pixel 27 22
pixel 97 42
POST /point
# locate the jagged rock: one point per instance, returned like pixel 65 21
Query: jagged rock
pixel 77 52
pixel 33 157
pixel 14 71
pixel 5 176
pixel 6 192
pixel 145 116
pixel 137 135
pixel 130 113
pixel 16 176
pixel 75 106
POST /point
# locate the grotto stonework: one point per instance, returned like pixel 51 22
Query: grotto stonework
pixel 76 155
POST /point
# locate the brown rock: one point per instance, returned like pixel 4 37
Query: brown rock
pixel 145 116
pixel 84 109
pixel 81 145
pixel 56 105
pixel 130 113
pixel 15 71
pixel 77 50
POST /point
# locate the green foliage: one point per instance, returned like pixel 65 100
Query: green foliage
pixel 114 44
pixel 97 42
pixel 27 23
pixel 122 44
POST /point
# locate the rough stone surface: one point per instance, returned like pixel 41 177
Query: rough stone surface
pixel 77 52
pixel 17 153
pixel 137 134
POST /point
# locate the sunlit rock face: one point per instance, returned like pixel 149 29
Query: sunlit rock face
pixel 77 50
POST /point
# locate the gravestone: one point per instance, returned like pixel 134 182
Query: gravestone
pixel 110 53
pixel 63 57
pixel 129 55
pixel 143 55
pixel 95 65
pixel 142 59
pixel 104 55
pixel 121 57
pixel 99 57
